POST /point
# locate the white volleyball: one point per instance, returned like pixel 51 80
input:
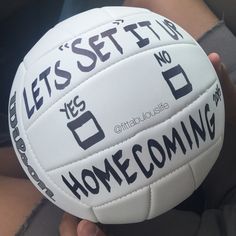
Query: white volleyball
pixel 116 115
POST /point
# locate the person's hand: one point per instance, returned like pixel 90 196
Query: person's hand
pixel 68 225
pixel 71 226
pixel 228 87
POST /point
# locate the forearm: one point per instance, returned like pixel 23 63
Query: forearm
pixel 9 165
pixel 18 197
pixel 193 15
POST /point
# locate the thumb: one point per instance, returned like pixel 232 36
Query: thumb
pixel 87 228
pixel 228 88
pixel 68 225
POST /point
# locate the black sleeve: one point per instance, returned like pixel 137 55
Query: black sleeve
pixel 221 221
pixel 221 40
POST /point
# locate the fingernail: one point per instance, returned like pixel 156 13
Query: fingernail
pixel 223 67
pixel 221 70
pixel 87 228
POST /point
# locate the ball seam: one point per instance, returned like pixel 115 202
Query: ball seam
pixel 159 180
pixel 102 70
pixel 77 35
pixel 137 133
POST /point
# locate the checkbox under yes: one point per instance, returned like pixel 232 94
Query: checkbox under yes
pixel 86 130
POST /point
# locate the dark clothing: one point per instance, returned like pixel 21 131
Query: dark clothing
pixel 221 40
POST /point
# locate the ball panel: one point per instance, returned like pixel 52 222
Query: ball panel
pixel 201 165
pixel 85 21
pixel 124 208
pixel 49 42
pixel 64 31
pixel 180 184
pixel 120 12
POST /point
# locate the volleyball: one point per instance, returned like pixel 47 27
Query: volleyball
pixel 116 115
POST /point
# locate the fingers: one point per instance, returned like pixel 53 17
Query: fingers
pixel 87 228
pixel 228 87
pixel 68 226
pixel 229 91
pixel 216 61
